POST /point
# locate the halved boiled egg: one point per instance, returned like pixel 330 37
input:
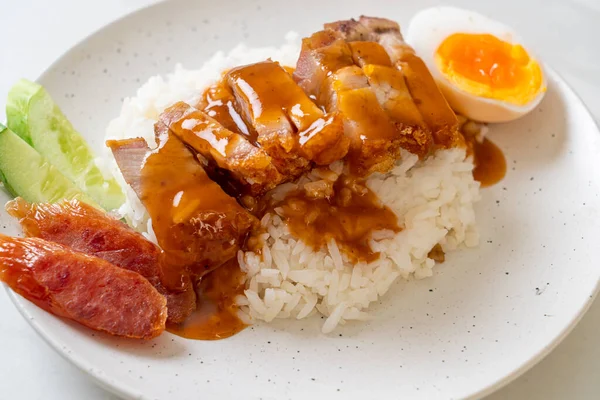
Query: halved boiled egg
pixel 480 65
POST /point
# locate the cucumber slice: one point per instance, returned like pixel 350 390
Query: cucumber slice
pixel 24 172
pixel 33 115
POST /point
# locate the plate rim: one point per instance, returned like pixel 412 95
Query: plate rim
pixel 544 352
pixel 116 387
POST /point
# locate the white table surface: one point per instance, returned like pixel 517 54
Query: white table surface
pixel 35 32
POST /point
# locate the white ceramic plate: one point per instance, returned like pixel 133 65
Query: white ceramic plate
pixel 485 317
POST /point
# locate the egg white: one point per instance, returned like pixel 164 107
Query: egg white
pixel 428 29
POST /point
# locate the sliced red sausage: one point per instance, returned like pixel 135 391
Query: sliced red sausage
pixel 88 230
pixel 86 289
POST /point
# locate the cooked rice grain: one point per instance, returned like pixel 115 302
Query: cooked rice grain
pixel 433 200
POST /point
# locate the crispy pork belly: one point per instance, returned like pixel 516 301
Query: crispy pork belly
pixel 199 225
pixel 251 166
pixel 430 102
pixel 376 26
pixel 130 155
pixel 427 96
pixel 351 30
pixel 85 289
pixel 374 140
pixel 289 126
pixel 343 79
pixel 219 103
pixel 83 228
pixel 322 53
pixel 324 141
pixel 364 53
pixel 393 95
pixel 334 64
pixel 257 95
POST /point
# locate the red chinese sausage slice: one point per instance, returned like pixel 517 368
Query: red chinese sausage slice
pixel 85 289
pixel 88 230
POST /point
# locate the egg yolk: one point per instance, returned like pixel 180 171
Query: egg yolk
pixel 485 66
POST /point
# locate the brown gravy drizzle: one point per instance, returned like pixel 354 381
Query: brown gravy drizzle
pixel 215 316
pixel 176 190
pixel 349 216
pixel 490 164
pixel 219 103
pixel 172 182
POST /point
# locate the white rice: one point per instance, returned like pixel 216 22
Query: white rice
pixel 433 200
